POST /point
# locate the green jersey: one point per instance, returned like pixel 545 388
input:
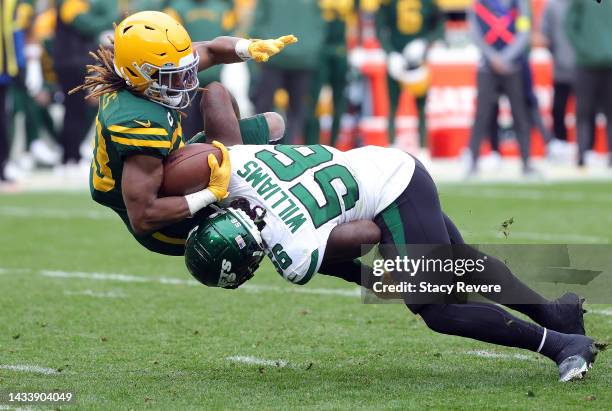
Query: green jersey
pixel 203 20
pixel 401 21
pixel 336 13
pixel 127 125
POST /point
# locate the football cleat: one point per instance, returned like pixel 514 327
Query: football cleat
pixel 568 317
pixel 578 358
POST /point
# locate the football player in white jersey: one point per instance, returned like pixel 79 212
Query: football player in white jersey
pixel 294 202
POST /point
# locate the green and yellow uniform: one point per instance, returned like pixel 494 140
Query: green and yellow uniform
pixel 399 22
pixel 130 125
pixel 41 29
pixel 332 68
pixel 142 5
pixel 204 20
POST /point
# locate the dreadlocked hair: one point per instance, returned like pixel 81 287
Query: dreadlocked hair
pixel 256 213
pixel 101 77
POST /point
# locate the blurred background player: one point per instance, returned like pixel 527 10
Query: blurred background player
pixel 332 68
pixel 293 69
pixel 536 122
pixel 589 29
pixel 552 35
pixel 36 89
pixel 80 23
pixel 14 16
pixel 203 20
pixel 501 30
pixel 406 29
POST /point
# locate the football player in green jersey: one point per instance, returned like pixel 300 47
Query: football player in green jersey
pixel 143 83
pixel 406 29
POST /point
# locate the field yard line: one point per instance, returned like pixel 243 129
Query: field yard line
pixel 96 294
pixel 117 277
pixel 522 194
pixel 560 237
pixel 354 292
pixel 29 368
pixel 247 359
pixel 10 407
pixel 63 214
pixel 491 354
pixel 607 312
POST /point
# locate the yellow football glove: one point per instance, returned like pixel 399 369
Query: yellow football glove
pixel 219 174
pixel 262 50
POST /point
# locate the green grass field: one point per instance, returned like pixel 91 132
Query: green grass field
pixel 125 329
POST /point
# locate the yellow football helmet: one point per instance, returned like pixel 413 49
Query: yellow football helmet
pixel 153 53
pixel 410 68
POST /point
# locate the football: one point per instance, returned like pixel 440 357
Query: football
pixel 186 170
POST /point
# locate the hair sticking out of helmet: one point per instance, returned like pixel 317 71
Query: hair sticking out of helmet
pixel 152 55
pixel 101 77
pixel 257 213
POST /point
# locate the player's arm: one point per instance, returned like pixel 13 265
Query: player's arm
pixel 221 114
pixel 142 179
pixel 227 50
pixel 351 240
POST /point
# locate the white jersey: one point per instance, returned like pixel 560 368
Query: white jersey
pixel 309 190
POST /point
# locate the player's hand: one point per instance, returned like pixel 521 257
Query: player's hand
pixel 219 174
pixel 262 50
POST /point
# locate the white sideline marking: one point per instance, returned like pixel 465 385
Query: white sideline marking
pixel 34 212
pixel 607 312
pixel 9 407
pixel 30 368
pixel 247 359
pixel 491 354
pixel 561 238
pixel 354 292
pixel 97 294
pixel 117 277
pixel 533 195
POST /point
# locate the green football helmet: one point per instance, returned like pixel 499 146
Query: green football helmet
pixel 225 249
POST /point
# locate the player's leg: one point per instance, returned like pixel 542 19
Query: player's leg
pixel 486 104
pixel 312 127
pixel 564 314
pixel 514 89
pixel 77 115
pixel 220 112
pixel 574 354
pixel 4 146
pixel 562 92
pixel 269 79
pixel 416 218
pixel 586 109
pixel 297 83
pixel 421 105
pixel 394 97
pixel 338 79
